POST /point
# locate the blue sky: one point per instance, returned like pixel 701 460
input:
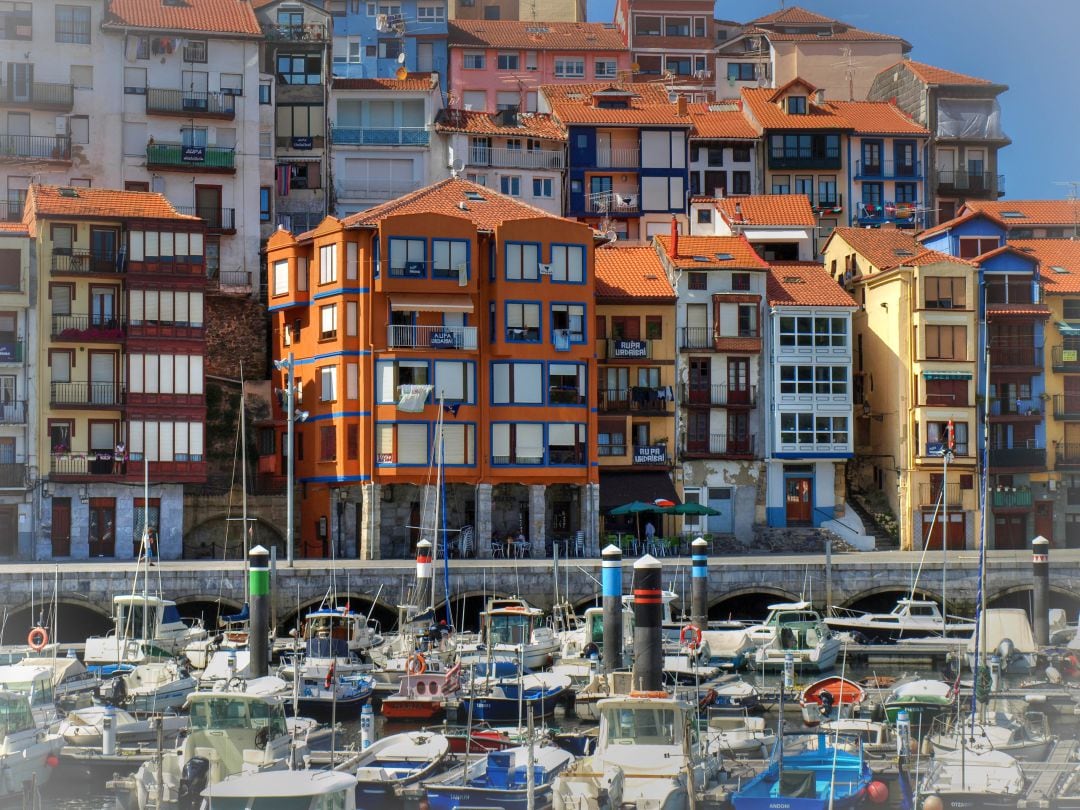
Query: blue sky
pixel 1030 46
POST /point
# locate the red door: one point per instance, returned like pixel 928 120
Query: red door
pixel 956 535
pixel 61 527
pixel 1072 394
pixel 1044 519
pixel 738 380
pixel 1010 532
pixel 102 534
pixel 798 497
pixel 700 380
pixel 738 439
pixel 697 432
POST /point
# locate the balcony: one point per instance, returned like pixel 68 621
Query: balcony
pixel 1011 498
pixel 13 476
pixel 86 395
pixel 85 263
pixel 651 455
pixel 1067 454
pixel 1016 355
pixel 718 445
pixel 636 399
pixel 887 170
pixel 39 96
pixel 970 184
pixel 304 32
pixel 430 337
pixel 190 104
pixel 499 157
pixel 39 147
pixel 79 465
pixel 930 494
pixel 899 213
pixel 1017 457
pixel 1066 406
pixel 696 337
pixel 1013 408
pixel 184 158
pixel 937 449
pixel 627 157
pixel 823 203
pixel 608 202
pixel 218 220
pixel 801 159
pixel 1065 358
pixel 88 328
pixel 13 413
pixel 719 395
pixel 378 136
pixel 11 210
pixel 373 190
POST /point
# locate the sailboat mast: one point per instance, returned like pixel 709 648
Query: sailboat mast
pixel 146 540
pixel 984 495
pixel 243 474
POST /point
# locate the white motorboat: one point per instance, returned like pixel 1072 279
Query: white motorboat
pixel 963 779
pixel 299 790
pixel 796 628
pixel 911 618
pixel 876 736
pixel 1000 727
pixel 733 735
pixel 586 639
pixel 156 687
pixel 514 627
pixel 394 763
pixel 1007 633
pixel 28 755
pixel 650 753
pixel 145 628
pixel 36 684
pixel 84 727
pixel 71 680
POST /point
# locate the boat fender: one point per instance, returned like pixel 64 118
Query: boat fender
pixel 193 780
pixel 416 665
pixel 877 792
pixel 933 803
pixel 37 639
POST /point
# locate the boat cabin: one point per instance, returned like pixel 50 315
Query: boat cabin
pixel 336 632
pixel 146 617
pixel 795 625
pixel 219 711
pixel 511 625
pixel 272 790
pixel 643 721
pixel 15 714
pixel 35 683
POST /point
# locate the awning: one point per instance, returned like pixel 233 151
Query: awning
pixel 1070 329
pixel 946 375
pixel 622 486
pixel 419 302
pixel 754 234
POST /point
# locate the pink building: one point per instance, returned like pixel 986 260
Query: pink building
pixel 499 64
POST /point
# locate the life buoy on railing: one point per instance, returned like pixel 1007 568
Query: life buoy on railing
pixel 37 639
pixel 416 665
pixel 690 636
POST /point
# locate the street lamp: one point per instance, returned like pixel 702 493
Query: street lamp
pixel 293 415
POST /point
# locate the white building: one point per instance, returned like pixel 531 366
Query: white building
pixel 381 135
pixel 781 227
pixel 723 151
pixel 807 393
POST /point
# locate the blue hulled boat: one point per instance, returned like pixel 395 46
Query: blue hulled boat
pixel 499 779
pixel 507 701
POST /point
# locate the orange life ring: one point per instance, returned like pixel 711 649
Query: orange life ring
pixel 37 639
pixel 416 665
pixel 645 693
pixel 694 632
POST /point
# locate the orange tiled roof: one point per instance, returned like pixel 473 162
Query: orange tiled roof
pixel 13 229
pixel 1063 254
pixel 534 36
pixel 743 255
pixel 768 209
pixel 710 122
pixel 769 115
pixel 530 125
pixel 649 105
pixel 445 197
pixel 936 75
pixel 804 284
pixel 876 117
pixel 1038 310
pixel 419 81
pixel 886 248
pixel 842 33
pixel 1034 212
pixel 235 17
pixel 794 15
pixel 631 272
pixel 55 201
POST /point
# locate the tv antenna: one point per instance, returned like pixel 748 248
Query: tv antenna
pixel 1073 196
pixel 851 67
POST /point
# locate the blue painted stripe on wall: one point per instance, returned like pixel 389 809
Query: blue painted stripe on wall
pixel 341 291
pixel 279 307
pixel 335 479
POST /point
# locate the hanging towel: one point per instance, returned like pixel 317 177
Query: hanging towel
pixel 412 398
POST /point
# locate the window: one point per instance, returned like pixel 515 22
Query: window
pixel 741 71
pixel 73 24
pixel 328 270
pixel 740 282
pixel 328 383
pixel 1071 309
pixel 16 21
pixel 542 187
pixel 697 281
pixel 408 257
pixel 907 193
pixel 970 247
pixel 945 293
pixel 830 332
pixel 566 443
pixel 830 380
pixel 82 77
pixel 265 93
pixel 300 121
pixel 510 185
pixel 569 68
pixel 328 322
pixel 299 68
pixel 231 84
pixel 327 443
pixel 946 342
pixel 79 125
pixel 568 323
pixel 508 61
pixel 871 157
pixel 947 393
pixel 143 518
pixel 430 13
pixel 390 374
pixel 647 26
pixel 806 331
pixel 605 68
pixel 831 429
pixel 796 428
pixel 474 60
pixel 165 373
pixel 566 384
pixel 454 381
pixel 523 322
pixel 281 277
pixel 517 443
pixel 568 263
pixel 748 317
pixel 654 329
pixel 522 261
pixel 781 184
pixel 11 269
pixel 264 204
pixel 937 437
pixel 872 197
pixel 704 215
pixel 390 48
pixel 266 145
pixel 740 154
pixel 796 105
pixel 677 26
pixel 827 191
pixel 517 383
pixel 740 182
pixel 457 444
pixel 796 379
pixel 449 258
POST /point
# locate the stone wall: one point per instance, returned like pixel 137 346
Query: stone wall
pixel 213 521
pixel 236 330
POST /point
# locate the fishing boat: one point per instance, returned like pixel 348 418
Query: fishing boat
pixel 514 627
pixel 323 693
pixel 649 754
pixel 478 738
pixel 396 762
pixel 736 696
pixel 965 779
pixel 911 618
pixel 923 699
pixel 500 779
pixel 1021 734
pixel 831 698
pixel 796 628
pixel 160 686
pixel 422 696
pixel 876 736
pixel 145 628
pixel 507 700
pixel 28 754
pixel 298 790
pixel 809 772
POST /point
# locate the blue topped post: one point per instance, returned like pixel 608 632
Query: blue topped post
pixel 611 587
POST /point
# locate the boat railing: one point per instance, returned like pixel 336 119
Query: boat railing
pixel 848 613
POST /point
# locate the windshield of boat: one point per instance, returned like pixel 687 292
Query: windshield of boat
pixel 331 801
pixel 639 725
pixel 596 628
pixel 129 620
pixel 795 744
pixel 226 712
pixel 15 716
pixel 39 690
pixel 509 629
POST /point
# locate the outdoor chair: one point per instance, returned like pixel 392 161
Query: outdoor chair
pixel 498 548
pixel 579 544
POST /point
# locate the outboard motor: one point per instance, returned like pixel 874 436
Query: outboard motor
pixel 113 691
pixel 1006 649
pixel 193 781
pixel 826 700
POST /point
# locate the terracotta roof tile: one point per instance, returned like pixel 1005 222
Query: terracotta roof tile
pixel 56 201
pixel 445 197
pixel 419 81
pixel 717 120
pixel 649 105
pixel 839 34
pixel 804 284
pixel 631 272
pixel 769 115
pixel 876 117
pixel 13 229
pixel 743 255
pixel 529 125
pixel 936 75
pixel 768 209
pixel 1033 212
pixel 793 15
pixel 534 36
pixel 200 16
pixel 1039 310
pixel 886 248
pixel 1062 254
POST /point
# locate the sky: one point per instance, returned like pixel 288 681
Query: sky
pixel 1030 45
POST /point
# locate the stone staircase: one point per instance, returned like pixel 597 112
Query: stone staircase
pixel 883 541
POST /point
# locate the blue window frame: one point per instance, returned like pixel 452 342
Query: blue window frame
pixel 402 444
pixel 905 160
pixel 568 384
pixel 907 192
pixel 408 257
pixel 568 324
pixel 459 447
pixel 264 204
pixel 872 194
pixel 517 383
pixel 455 381
pixel 542 187
pixel 510 185
pixel 450 258
pixel 517 444
pixel 567 264
pixel 523 321
pixel 566 445
pixel 871 158
pixel 390 375
pixel 522 261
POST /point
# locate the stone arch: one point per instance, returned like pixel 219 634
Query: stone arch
pixel 201 540
pixel 384 612
pixel 876 594
pixel 76 618
pixel 750 602
pixel 208 607
pixel 1020 595
pixel 466 606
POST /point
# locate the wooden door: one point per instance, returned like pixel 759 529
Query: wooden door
pixel 955 534
pixel 208 205
pixel 9 531
pixel 738 376
pixel 61 527
pixel 102 531
pixel 1010 532
pixel 697 432
pixel 1044 520
pixel 799 500
pixel 700 379
pixel 738 438
pixel 1072 393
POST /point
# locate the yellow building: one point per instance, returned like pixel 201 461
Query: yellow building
pixel 635 347
pixel 916 334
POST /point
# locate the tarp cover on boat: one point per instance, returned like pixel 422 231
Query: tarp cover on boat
pixel 622 486
pixel 798 784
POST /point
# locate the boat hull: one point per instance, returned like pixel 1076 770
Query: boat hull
pixel 506 710
pixel 972 801
pixel 393 709
pixel 324 708
pixel 882 633
pixel 451 797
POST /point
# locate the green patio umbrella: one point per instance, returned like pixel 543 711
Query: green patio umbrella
pixel 635 508
pixel 690 509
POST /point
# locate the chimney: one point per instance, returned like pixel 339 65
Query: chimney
pixel 680 106
pixel 738 211
pixel 675 235
pixel 819 97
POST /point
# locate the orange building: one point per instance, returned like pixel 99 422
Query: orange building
pixel 457 296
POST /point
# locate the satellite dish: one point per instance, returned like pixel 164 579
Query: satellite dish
pixel 456 165
pixel 401 58
pixel 611 236
pixel 402 74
